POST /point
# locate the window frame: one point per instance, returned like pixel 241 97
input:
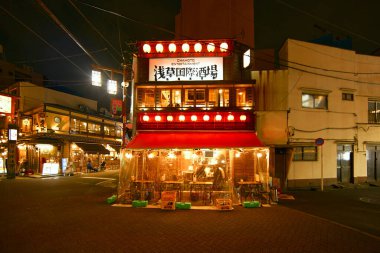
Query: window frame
pixel 303 157
pixel 315 97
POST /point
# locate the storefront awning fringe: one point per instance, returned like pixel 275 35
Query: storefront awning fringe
pixel 194 140
pixel 92 148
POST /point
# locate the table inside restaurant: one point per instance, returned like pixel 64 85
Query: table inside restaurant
pixel 201 190
pixel 172 186
pixel 250 190
pixel 142 189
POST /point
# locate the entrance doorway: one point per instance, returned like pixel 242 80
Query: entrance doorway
pixel 345 163
pixel 373 163
pixel 280 166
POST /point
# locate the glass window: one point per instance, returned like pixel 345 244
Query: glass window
pixel 93 128
pixel 348 96
pixel 83 126
pixel 308 153
pixel 244 97
pixel 145 97
pixel 314 101
pixel 373 111
pixel 74 125
pixel 195 97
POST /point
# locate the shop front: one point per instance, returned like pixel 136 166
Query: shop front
pixel 199 166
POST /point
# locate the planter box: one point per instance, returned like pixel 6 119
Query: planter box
pixel 139 203
pixel 183 205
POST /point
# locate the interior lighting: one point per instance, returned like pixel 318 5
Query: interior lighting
pixel 159 48
pixel 243 118
pixel 223 47
pixel 128 155
pixel 169 118
pixel 96 78
pixel 193 118
pixel 218 117
pixel 146 118
pixel 259 155
pixel 211 47
pixel 198 47
pixel 206 117
pixel 230 117
pixel 157 118
pixel 112 87
pixel 146 48
pixel 185 48
pixel 172 48
pixel 181 118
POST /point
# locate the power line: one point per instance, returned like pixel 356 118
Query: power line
pixel 42 39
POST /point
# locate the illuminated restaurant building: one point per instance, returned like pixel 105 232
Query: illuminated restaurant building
pixel 194 125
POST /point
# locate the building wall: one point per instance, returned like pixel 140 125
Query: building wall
pixel 229 19
pixel 317 69
pixel 32 96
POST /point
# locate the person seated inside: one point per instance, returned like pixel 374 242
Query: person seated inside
pixel 90 168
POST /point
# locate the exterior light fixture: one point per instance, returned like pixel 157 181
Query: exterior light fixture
pixel 259 155
pixel 169 118
pixel 198 47
pixel 157 118
pixel 185 48
pixel 181 118
pixel 193 118
pixel 159 48
pixel 112 87
pixel 206 118
pixel 230 117
pixel 247 58
pixel 243 118
pixel 96 78
pixel 211 47
pixel 146 48
pixel 218 117
pixel 146 118
pixel 223 47
pixel 172 48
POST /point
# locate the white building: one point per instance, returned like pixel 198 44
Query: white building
pixel 320 92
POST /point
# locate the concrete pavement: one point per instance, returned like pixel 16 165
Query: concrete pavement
pixel 70 214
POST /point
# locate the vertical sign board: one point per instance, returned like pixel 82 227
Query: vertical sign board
pixel 11 162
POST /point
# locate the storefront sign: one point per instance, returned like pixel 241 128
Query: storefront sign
pixel 5 104
pixel 116 106
pixel 50 168
pixel 186 69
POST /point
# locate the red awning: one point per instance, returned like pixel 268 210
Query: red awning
pixel 194 139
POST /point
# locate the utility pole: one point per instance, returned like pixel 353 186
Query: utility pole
pixel 124 86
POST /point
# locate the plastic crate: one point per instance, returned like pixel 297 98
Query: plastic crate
pixel 139 203
pixel 251 204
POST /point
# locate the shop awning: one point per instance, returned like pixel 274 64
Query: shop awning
pixel 194 139
pixel 92 148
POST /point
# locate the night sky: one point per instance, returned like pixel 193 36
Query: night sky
pixel 108 29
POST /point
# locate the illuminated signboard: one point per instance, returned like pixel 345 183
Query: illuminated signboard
pixel 186 69
pixel 5 104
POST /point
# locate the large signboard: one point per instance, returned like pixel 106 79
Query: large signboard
pixel 186 69
pixel 5 104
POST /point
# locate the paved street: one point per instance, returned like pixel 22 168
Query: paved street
pixel 70 214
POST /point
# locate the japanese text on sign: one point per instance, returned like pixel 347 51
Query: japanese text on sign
pixel 186 69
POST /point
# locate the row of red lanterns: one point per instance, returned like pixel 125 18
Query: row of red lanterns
pixel 185 47
pixel 193 118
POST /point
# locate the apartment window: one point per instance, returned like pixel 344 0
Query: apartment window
pixel 316 101
pixel 307 153
pixel 373 111
pixel 348 96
